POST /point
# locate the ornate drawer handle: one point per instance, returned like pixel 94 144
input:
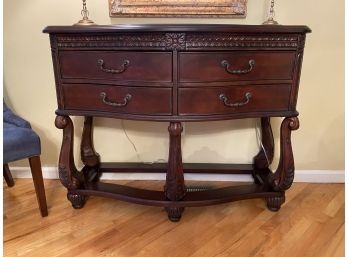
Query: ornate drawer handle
pixel 224 99
pixel 124 103
pixel 124 67
pixel 226 65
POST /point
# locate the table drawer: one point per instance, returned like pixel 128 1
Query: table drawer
pixel 116 65
pixel 118 99
pixel 236 66
pixel 233 99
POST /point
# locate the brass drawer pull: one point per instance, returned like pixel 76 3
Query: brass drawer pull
pixel 224 99
pixel 123 68
pixel 226 65
pixel 126 100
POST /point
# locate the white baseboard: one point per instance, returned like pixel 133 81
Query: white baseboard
pixel 310 176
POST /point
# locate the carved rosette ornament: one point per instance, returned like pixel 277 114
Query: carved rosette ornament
pixel 282 179
pixel 175 41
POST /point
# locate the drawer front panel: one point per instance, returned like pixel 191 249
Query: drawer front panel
pixel 236 66
pixel 118 99
pixel 233 99
pixel 127 66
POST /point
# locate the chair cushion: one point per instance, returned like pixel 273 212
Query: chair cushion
pixel 19 143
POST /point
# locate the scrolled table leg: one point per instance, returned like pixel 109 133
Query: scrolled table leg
pixel 68 174
pixel 283 178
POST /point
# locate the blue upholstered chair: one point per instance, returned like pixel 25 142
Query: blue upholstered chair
pixel 21 142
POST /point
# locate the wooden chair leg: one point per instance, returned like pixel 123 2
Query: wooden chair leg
pixel 8 176
pixel 35 166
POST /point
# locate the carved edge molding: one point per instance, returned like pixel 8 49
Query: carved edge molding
pixel 179 41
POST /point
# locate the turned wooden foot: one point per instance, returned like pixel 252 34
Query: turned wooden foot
pixel 77 201
pixel 274 203
pixel 174 213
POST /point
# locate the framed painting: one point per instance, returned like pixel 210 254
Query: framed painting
pixel 178 8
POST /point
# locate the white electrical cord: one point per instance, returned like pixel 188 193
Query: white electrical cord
pixel 136 150
pixel 259 139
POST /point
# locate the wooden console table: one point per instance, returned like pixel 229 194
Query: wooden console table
pixel 177 73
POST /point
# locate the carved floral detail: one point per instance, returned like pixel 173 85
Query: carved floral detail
pixel 153 40
pixel 233 40
pixel 175 41
pixel 181 41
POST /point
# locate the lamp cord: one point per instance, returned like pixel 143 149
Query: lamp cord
pixel 136 150
pixel 259 140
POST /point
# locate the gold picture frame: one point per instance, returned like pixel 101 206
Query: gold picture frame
pixel 178 8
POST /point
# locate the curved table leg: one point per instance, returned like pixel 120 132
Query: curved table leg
pixel 174 188
pixel 68 174
pixel 89 156
pixel 282 179
pixel 265 156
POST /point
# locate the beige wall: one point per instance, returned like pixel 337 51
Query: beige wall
pixel 318 144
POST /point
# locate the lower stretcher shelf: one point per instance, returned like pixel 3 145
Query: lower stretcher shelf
pixel 191 199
